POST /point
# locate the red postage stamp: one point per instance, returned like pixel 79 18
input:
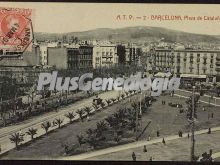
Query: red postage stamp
pixel 16 32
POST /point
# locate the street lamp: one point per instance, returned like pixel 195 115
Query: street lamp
pixel 193 127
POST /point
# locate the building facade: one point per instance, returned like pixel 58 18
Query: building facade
pixel 129 54
pixel 44 52
pixel 77 57
pixel 80 58
pixel 185 61
pixel 105 55
pixel 27 59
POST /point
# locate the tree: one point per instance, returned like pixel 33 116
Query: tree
pixel 70 116
pixel 131 116
pixel 134 105
pixel 126 93
pixel 80 139
pixel 31 132
pixel 111 121
pixel 46 125
pixel 117 137
pixel 16 138
pixel 88 110
pixel 101 126
pixel 123 96
pixel 92 138
pixel 3 112
pixel 58 122
pixel 113 100
pixel 103 105
pixel 95 106
pixel 80 112
pixel 119 116
pixel 108 101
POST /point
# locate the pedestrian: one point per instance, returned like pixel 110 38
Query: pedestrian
pixel 158 133
pixel 145 149
pixel 149 138
pixel 180 134
pixel 188 135
pixel 133 156
pixel 66 148
pixel 209 131
pixel 163 141
pixel 212 116
pixel 210 152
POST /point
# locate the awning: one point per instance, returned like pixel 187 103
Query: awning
pixel 192 76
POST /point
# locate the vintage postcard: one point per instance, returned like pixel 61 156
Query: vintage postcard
pixel 109 81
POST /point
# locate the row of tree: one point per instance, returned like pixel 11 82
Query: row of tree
pixel 18 137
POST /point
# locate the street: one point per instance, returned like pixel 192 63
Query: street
pixel 5 133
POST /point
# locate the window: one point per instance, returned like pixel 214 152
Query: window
pixel 178 70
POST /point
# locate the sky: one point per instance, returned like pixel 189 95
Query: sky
pixel 74 17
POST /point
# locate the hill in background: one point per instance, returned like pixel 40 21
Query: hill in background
pixel 135 34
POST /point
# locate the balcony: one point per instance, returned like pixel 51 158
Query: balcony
pixel 217 69
pixel 107 56
pixel 217 63
pixel 218 58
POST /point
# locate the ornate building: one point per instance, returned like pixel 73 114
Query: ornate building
pixel 185 61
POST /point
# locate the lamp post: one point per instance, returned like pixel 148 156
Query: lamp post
pixel 138 123
pixel 193 127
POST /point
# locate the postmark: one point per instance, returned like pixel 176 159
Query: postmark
pixel 16 30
